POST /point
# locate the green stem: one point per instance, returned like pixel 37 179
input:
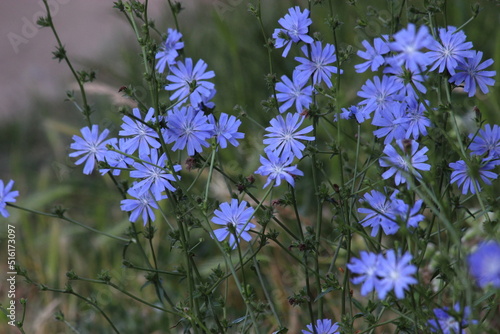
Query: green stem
pixel 125 292
pixel 174 14
pixel 266 293
pixel 210 173
pixel 86 107
pixel 171 273
pixel 309 295
pixel 467 161
pixel 62 217
pixel 269 50
pixel 259 203
pixel 88 301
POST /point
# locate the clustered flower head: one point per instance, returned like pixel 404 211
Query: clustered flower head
pixel 387 212
pixel 185 126
pixel 391 272
pixel 316 65
pixel 403 58
pixel 400 115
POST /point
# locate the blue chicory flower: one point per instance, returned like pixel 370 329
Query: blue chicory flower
pixel 323 326
pixel 168 50
pixel 373 54
pixel 466 175
pixel 365 269
pixel 116 160
pixel 142 205
pixel 383 274
pixel 399 163
pixel 380 94
pixel 317 63
pixel 408 44
pixel 395 273
pixel 487 142
pixel 417 121
pixel 295 91
pixel 226 129
pixel 392 123
pixel 408 78
pixel 382 212
pixel 143 137
pixel 92 146
pixel 188 128
pixel 236 220
pixel 484 264
pixel 295 27
pixel 454 322
pixel 353 112
pixel 385 212
pixel 451 50
pixel 285 135
pixel 7 196
pixel 471 72
pixel 278 168
pixel 187 81
pixel 155 176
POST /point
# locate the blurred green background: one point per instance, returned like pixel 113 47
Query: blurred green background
pixel 35 136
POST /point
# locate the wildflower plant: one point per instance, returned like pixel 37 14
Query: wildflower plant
pixel 355 209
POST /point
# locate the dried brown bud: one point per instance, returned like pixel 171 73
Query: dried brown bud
pixel 407 145
pixel 477 112
pixel 276 202
pixel 251 179
pixel 240 187
pixel 190 163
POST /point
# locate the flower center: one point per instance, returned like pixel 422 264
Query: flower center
pixel 394 275
pixel 410 49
